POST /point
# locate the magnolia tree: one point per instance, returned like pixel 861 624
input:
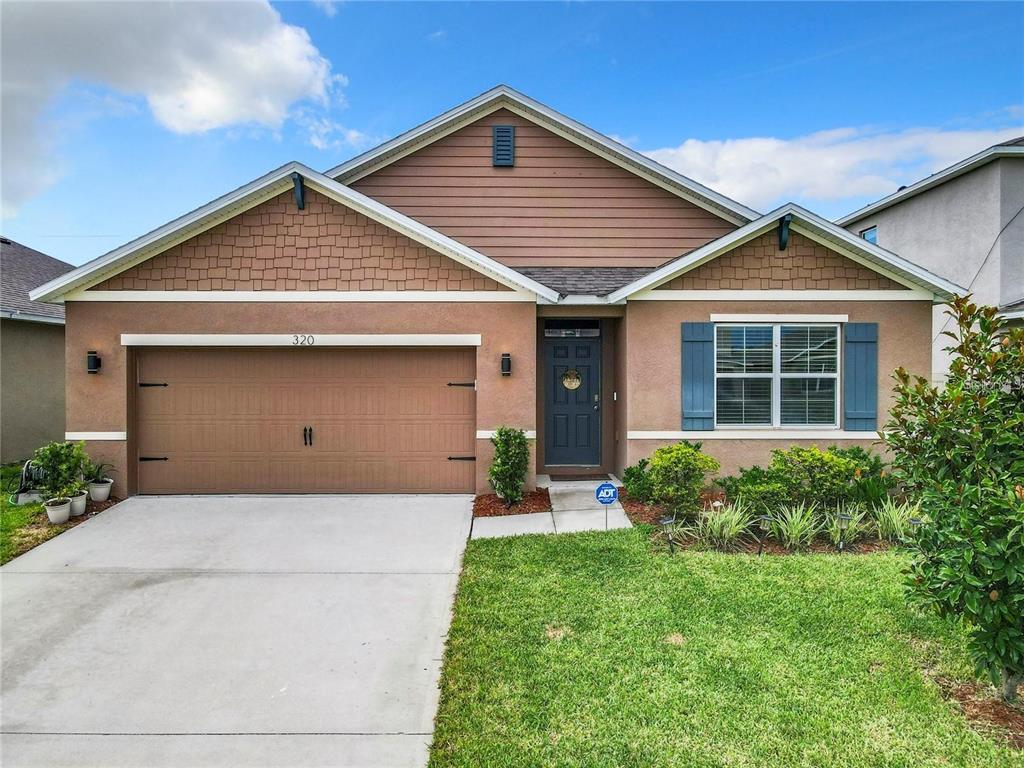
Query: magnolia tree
pixel 960 451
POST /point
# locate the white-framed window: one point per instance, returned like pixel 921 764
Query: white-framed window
pixel 776 375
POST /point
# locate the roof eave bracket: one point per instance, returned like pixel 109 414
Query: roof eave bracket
pixel 300 191
pixel 784 231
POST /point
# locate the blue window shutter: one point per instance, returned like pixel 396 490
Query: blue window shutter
pixel 860 377
pixel 698 376
pixel 504 147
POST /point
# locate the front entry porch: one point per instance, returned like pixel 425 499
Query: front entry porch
pixel 576 395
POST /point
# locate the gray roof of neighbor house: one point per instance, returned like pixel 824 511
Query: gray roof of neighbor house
pixel 22 269
pixel 1009 148
pixel 585 281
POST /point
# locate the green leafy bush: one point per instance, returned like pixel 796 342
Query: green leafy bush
pixel 796 525
pixel 62 465
pixel 959 450
pixel 507 473
pixel 96 472
pixel 892 519
pixel 724 526
pixel 637 482
pixel 813 475
pixel 678 473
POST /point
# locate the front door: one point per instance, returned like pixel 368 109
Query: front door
pixel 572 401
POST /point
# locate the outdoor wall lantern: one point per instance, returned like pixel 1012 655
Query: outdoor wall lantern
pixel 92 361
pixel 506 364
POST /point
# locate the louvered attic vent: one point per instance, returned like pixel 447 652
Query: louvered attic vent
pixel 504 145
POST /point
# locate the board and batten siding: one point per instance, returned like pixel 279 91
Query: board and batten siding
pixel 559 205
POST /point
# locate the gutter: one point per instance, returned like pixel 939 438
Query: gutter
pixel 28 317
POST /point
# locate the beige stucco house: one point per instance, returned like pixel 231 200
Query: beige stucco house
pixel 367 328
pixel 965 223
pixel 31 353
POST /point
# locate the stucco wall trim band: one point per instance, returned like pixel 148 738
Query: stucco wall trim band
pixel 754 434
pixel 780 295
pixel 294 296
pixel 486 434
pixel 95 435
pixel 762 318
pixel 301 339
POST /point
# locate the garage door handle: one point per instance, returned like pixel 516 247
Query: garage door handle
pixel 310 435
pixel 305 435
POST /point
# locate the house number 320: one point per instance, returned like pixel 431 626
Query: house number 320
pixel 303 340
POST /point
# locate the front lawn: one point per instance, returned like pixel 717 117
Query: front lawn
pixel 590 650
pixel 26 526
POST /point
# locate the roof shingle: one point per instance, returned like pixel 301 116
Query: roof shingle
pixel 585 281
pixel 21 270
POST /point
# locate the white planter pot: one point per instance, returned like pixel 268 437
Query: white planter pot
pixel 100 491
pixel 58 513
pixel 78 504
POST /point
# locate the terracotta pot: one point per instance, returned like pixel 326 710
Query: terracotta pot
pixel 78 504
pixel 58 510
pixel 100 491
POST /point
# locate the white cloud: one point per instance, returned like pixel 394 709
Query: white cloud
pixel 329 7
pixel 325 133
pixel 438 35
pixel 198 66
pixel 827 166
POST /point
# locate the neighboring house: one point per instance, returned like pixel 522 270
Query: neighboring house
pixel 31 353
pixel 368 328
pixel 965 223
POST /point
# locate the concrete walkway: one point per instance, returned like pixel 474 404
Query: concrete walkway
pixel 574 508
pixel 232 631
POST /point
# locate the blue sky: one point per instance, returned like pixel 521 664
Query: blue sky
pixel 107 135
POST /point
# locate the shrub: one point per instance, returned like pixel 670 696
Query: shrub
pixel 858 526
pixel 637 482
pixel 507 472
pixel 723 527
pixel 960 451
pixel 96 472
pixel 813 475
pixel 892 519
pixel 796 525
pixel 62 465
pixel 678 474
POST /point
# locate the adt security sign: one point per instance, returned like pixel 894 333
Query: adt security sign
pixel 607 493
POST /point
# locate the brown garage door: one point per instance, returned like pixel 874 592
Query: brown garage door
pixel 216 420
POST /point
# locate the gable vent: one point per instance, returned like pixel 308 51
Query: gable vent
pixel 504 145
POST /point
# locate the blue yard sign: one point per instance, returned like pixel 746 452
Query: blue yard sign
pixel 607 493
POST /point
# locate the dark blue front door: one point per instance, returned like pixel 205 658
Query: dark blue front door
pixel 572 401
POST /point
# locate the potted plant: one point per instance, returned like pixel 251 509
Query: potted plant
pixel 78 498
pixel 58 507
pixel 99 483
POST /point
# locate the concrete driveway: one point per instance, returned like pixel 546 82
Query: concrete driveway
pixel 232 631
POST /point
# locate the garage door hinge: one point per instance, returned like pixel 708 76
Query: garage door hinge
pixel 153 458
pixel 462 458
pixel 461 383
pixel 152 384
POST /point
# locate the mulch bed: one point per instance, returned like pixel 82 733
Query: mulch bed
pixel 490 505
pixel 982 707
pixel 640 513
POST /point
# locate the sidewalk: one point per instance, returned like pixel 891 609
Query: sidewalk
pixel 574 508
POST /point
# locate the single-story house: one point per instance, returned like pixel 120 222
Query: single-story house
pixel 31 353
pixel 366 329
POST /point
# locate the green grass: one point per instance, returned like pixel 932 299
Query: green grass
pixel 557 656
pixel 21 527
